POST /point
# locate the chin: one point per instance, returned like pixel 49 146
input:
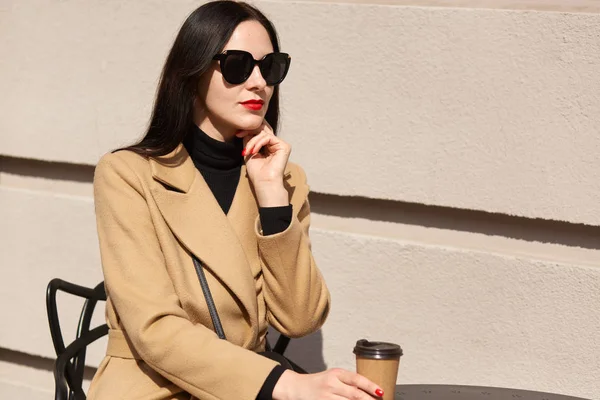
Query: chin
pixel 251 122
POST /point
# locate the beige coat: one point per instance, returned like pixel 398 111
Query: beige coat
pixel 151 215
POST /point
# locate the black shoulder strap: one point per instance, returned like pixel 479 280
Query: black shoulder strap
pixel 212 309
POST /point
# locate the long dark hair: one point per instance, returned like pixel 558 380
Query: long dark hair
pixel 203 35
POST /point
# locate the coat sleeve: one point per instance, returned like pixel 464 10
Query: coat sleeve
pixel 296 295
pixel 139 287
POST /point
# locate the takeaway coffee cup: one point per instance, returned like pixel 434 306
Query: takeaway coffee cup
pixel 379 361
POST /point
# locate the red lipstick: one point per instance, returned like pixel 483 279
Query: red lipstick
pixel 254 105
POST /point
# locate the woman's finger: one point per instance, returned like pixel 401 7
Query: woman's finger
pixel 354 393
pixel 252 146
pixel 267 140
pixel 360 382
pixel 248 143
pixel 246 137
pixel 251 142
pixel 252 138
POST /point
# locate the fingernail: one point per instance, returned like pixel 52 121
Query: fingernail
pixel 243 152
pixel 379 392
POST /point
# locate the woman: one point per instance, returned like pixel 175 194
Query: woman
pixel 211 180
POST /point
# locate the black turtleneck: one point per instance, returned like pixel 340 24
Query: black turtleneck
pixel 220 164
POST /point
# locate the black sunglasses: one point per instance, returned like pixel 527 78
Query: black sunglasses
pixel 237 66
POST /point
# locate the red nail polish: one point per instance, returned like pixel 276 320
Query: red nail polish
pixel 379 392
pixel 243 152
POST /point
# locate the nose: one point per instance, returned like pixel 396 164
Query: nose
pixel 256 80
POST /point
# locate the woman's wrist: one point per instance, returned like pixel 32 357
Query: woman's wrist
pixel 283 388
pixel 271 195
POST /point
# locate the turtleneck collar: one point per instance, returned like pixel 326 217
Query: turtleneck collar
pixel 214 154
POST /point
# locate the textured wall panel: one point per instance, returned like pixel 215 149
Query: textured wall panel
pixel 542 5
pixel 79 77
pixel 44 236
pixel 32 380
pixel 24 382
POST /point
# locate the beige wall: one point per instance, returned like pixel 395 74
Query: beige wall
pixel 452 154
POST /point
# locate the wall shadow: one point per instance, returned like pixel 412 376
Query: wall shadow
pixel 482 222
pixel 307 352
pixel 36 362
pixel 50 170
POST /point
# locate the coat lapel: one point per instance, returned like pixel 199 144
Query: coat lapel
pixel 242 216
pixel 197 220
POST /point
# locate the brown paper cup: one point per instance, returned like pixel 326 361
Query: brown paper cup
pixel 379 362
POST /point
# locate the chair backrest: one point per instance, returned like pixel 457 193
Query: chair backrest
pixel 70 361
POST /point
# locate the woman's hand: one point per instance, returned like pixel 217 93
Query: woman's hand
pixel 333 384
pixel 266 159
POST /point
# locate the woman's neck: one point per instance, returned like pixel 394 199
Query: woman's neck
pixel 214 129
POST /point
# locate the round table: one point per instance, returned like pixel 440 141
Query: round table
pixel 457 392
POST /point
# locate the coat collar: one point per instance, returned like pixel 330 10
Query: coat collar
pixel 175 169
pixel 196 219
pixel 178 171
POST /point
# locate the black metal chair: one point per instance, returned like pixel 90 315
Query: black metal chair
pixel 70 362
